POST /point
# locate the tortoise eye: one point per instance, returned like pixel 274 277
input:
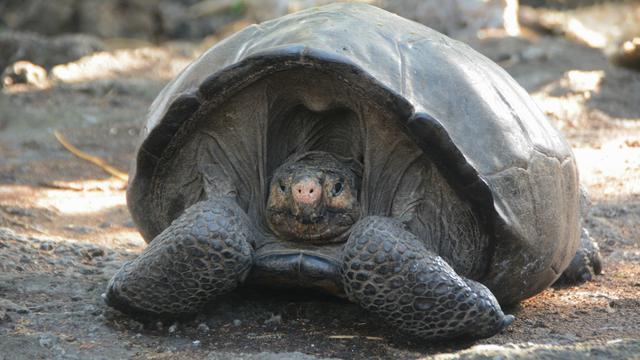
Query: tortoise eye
pixel 337 189
pixel 283 188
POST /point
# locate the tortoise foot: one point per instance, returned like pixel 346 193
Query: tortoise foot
pixel 585 264
pixel 205 252
pixel 388 271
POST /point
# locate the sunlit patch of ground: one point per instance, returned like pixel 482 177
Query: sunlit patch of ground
pixel 610 165
pixel 96 214
pixel 158 62
pixel 613 171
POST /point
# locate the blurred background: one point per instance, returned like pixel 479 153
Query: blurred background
pixel 48 33
pixel 87 71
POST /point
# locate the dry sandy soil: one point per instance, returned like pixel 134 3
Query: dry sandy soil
pixel 65 229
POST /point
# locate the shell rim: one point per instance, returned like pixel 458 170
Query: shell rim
pixel 426 131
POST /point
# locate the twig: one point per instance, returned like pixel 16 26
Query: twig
pixel 83 186
pixel 90 158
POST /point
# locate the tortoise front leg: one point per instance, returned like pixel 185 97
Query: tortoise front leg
pixel 204 253
pixel 388 271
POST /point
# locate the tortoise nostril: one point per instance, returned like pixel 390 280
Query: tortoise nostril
pixel 307 191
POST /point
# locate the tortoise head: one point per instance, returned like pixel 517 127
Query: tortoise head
pixel 313 197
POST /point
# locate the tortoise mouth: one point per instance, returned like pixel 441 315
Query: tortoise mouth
pixel 297 268
pixel 331 227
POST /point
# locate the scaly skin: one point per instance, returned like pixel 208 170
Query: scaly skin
pixel 388 271
pixel 585 264
pixel 204 253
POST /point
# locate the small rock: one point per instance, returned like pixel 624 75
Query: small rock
pixel 24 72
pixel 237 322
pixel 4 317
pixel 173 328
pixel 136 325
pixel 195 344
pixel 47 340
pixel 203 328
pixel 47 246
pixel 92 252
pixel 159 325
pixel 25 259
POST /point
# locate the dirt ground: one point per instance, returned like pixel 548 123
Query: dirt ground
pixel 65 228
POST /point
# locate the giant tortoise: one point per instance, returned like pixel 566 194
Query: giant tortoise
pixel 346 149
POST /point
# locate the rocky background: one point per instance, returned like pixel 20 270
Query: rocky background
pixel 88 69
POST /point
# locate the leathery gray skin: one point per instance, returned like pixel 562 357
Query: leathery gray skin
pixel 209 250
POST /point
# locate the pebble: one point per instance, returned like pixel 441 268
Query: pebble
pixel 93 252
pixel 237 322
pixel 4 317
pixel 203 328
pixel 173 328
pixel 196 343
pixel 47 340
pixel 136 325
pixel 46 246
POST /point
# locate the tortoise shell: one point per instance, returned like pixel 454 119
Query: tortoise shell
pixel 385 95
